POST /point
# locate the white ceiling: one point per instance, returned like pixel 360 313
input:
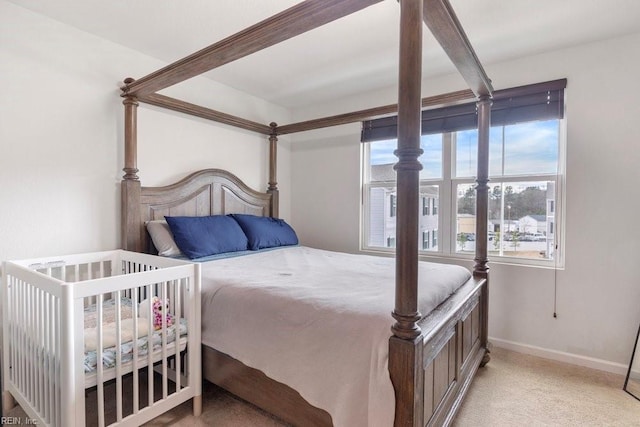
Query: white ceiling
pixel 351 55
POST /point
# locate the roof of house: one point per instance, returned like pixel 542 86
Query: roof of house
pixel 383 172
pixel 539 218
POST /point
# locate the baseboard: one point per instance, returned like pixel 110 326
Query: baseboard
pixel 574 359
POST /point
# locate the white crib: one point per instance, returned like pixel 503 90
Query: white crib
pixel 43 314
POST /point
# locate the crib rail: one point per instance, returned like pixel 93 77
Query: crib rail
pixel 44 307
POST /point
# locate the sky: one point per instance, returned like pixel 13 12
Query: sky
pixel 431 159
pixel 529 148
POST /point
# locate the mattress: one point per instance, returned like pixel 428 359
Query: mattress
pixel 109 353
pixel 317 321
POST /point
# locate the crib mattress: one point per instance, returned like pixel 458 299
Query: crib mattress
pixel 109 353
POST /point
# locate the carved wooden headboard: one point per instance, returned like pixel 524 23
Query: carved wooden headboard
pixel 206 192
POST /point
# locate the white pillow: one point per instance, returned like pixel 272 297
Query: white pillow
pixel 162 238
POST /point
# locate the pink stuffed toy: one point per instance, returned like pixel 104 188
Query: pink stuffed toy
pixel 156 307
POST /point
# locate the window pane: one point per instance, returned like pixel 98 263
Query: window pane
pixel 428 219
pixel 382 159
pixel 466 218
pixel 531 148
pixel 431 158
pixel 526 226
pixel 382 226
pixel 467 152
pixel 521 223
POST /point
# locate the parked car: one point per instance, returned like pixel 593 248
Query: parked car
pixel 533 237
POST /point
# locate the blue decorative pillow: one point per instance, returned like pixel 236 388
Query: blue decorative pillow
pixel 266 232
pixel 199 236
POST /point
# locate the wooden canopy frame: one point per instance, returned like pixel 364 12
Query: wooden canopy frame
pixel 407 353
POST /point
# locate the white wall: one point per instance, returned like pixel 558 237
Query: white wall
pixel 599 289
pixel 61 136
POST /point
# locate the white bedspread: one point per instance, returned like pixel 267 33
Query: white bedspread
pixel 318 321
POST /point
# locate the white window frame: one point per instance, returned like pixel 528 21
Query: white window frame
pixel 447 206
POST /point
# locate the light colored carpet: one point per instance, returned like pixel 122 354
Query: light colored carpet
pixel 521 390
pixel 512 390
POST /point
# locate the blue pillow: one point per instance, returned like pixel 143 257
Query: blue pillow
pixel 266 232
pixel 199 236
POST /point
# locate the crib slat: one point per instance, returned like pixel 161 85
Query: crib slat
pixel 17 362
pixel 149 309
pixel 29 349
pixel 136 379
pixel 177 293
pixel 65 338
pixel 99 363
pixel 55 366
pixel 57 353
pixel 118 356
pixel 33 356
pixel 13 304
pixel 47 359
pixel 39 342
pixel 163 310
pixel 22 336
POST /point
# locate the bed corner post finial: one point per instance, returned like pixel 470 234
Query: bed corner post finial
pixel 131 232
pixel 130 137
pixel 273 167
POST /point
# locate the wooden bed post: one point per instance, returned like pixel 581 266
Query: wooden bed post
pixel 130 185
pixel 273 167
pixel 481 269
pixel 405 346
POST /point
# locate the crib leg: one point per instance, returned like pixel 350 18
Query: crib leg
pixel 8 402
pixel 197 406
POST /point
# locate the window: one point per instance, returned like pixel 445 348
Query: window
pixel 425 206
pixel 391 242
pixel 392 205
pixel 425 240
pixel 526 176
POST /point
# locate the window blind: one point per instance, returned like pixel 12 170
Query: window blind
pixel 540 101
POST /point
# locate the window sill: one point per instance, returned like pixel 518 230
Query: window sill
pixel 439 257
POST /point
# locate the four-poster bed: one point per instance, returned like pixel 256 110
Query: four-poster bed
pixel 432 357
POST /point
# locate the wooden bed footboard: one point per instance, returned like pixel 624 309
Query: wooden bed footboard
pixel 445 358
